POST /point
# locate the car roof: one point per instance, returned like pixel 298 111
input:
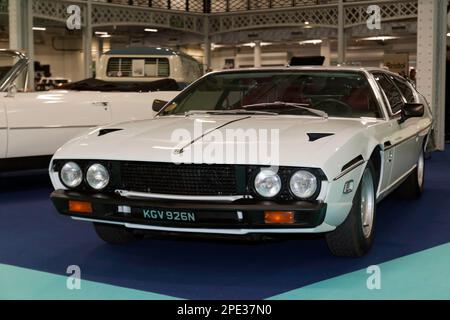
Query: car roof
pixel 147 51
pixel 309 68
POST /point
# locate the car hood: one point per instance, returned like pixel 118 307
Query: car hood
pixel 298 141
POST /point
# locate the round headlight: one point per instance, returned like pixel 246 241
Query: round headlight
pixel 97 176
pixel 267 183
pixel 303 184
pixel 71 175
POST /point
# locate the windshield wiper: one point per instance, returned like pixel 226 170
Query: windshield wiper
pixel 302 106
pixel 231 111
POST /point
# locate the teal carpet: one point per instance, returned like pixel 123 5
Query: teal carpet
pixel 422 275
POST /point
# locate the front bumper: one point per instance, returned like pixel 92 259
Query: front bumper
pixel 240 217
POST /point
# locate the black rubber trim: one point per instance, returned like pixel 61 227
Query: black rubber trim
pixel 352 163
pixel 211 214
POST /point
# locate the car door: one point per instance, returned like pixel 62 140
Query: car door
pixel 411 125
pixel 402 144
pixel 40 122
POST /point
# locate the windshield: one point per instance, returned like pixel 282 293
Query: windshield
pixel 290 92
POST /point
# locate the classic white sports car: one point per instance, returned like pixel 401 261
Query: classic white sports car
pixel 34 124
pixel 253 152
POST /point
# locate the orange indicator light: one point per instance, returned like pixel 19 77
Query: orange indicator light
pixel 80 206
pixel 279 217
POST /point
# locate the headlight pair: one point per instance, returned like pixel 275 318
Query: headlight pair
pixel 97 176
pixel 303 184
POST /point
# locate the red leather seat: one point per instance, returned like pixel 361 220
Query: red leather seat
pixel 359 99
pixel 293 94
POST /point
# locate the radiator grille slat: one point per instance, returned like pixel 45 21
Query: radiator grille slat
pixel 182 179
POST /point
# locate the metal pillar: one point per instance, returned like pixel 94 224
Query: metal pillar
pixel 30 44
pixel 15 25
pixel 87 40
pixel 341 33
pixel 257 54
pixel 431 62
pixel 21 37
pixel 207 49
pixel 325 51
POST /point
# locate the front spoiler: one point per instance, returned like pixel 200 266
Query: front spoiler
pixel 240 217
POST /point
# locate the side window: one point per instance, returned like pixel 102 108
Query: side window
pixel 393 95
pixel 405 89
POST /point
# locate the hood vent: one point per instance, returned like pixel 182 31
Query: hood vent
pixel 317 136
pixel 102 132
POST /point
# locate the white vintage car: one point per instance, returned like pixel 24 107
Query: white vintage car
pixel 34 124
pixel 148 64
pixel 338 141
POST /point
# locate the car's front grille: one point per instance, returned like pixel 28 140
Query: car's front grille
pixel 181 179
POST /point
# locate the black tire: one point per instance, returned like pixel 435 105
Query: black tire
pixel 412 187
pixel 348 239
pixel 113 234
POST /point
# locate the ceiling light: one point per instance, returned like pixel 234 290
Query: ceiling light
pixel 252 44
pixel 380 38
pixel 306 22
pixel 150 30
pixel 105 36
pixel 99 33
pixel 39 28
pixel 448 34
pixel 313 41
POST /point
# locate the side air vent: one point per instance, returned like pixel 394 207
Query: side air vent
pixel 352 162
pixel 102 132
pixel 317 136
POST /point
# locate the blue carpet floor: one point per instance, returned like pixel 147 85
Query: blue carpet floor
pixel 34 236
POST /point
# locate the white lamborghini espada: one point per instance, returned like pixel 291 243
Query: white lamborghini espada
pixel 339 140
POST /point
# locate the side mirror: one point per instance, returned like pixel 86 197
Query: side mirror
pixel 411 110
pixel 11 91
pixel 158 105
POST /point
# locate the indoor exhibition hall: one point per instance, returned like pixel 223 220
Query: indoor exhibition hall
pixel 232 150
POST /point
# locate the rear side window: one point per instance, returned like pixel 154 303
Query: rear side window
pixel 405 89
pixel 138 67
pixel 393 95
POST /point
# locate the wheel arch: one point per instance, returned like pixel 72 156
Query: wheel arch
pixel 376 159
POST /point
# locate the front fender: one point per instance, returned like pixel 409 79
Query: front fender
pixel 340 203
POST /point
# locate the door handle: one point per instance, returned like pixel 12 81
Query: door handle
pixel 100 103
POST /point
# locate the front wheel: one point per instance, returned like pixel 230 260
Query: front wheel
pixel 354 237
